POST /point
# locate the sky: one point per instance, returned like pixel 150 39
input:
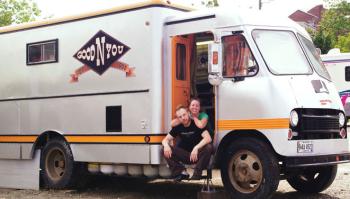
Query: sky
pixel 59 8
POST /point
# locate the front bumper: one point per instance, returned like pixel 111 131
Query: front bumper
pixel 305 161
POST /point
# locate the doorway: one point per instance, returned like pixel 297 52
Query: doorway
pixel 190 72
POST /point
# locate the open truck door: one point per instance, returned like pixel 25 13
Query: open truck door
pixel 180 71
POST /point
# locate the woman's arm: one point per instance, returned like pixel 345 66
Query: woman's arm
pixel 175 122
pixel 200 123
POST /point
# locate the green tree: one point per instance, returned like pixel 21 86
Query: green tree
pixel 343 43
pixel 335 22
pixel 323 40
pixel 336 19
pixel 210 3
pixel 17 11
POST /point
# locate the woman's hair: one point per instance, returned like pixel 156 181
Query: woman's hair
pixel 195 99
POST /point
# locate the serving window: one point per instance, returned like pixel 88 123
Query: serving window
pixel 42 52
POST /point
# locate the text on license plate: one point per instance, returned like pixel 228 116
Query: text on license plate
pixel 305 147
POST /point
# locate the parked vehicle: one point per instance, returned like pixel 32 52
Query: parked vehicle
pixel 99 91
pixel 338 66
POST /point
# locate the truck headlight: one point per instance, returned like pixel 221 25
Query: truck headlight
pixel 294 118
pixel 341 119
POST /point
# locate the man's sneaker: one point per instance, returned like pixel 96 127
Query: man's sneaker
pixel 196 176
pixel 181 177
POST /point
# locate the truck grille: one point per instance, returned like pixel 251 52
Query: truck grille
pixel 317 124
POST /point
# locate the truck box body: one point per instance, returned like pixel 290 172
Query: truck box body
pixel 100 90
pixel 42 97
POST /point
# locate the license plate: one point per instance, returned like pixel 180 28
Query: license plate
pixel 305 147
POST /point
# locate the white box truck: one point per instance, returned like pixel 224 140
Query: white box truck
pixel 338 66
pixel 99 91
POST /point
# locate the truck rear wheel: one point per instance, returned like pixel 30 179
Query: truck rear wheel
pixel 249 169
pixel 57 164
pixel 313 179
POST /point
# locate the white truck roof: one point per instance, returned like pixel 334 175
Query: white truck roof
pixel 225 17
pixel 133 6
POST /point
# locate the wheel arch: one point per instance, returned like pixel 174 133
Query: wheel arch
pixel 46 136
pixel 237 134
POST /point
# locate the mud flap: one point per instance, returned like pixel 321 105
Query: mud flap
pixel 20 174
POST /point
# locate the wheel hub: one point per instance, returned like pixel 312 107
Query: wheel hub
pixel 55 164
pixel 242 172
pixel 245 171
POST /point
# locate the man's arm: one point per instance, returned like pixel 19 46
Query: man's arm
pixel 165 143
pixel 206 139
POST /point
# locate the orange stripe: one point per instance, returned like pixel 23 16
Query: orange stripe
pixel 157 139
pixel 87 139
pixel 90 139
pixel 113 139
pixel 279 123
pixel 18 138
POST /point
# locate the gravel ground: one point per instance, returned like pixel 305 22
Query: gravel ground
pixel 131 188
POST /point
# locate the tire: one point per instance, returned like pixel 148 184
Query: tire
pixel 313 179
pixel 249 170
pixel 57 165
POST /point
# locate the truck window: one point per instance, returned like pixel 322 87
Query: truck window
pixel 281 52
pixel 347 73
pixel 42 52
pixel 181 62
pixel 238 60
pixel 314 57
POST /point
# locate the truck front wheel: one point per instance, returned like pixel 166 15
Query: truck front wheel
pixel 250 170
pixel 57 164
pixel 313 179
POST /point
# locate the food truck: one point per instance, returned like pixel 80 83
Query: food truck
pixel 338 66
pixel 98 91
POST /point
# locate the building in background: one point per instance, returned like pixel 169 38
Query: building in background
pixel 309 19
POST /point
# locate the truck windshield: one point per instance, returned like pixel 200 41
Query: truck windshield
pixel 281 52
pixel 314 57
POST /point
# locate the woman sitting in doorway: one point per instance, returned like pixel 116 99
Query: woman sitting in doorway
pixel 200 118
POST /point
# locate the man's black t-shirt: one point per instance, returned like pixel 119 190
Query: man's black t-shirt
pixel 189 136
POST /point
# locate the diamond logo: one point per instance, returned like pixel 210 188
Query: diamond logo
pixel 100 52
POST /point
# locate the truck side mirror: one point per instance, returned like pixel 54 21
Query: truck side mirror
pixel 214 64
pixel 319 52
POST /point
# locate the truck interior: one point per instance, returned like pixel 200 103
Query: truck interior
pixel 190 72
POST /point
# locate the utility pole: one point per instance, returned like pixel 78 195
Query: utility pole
pixel 260 4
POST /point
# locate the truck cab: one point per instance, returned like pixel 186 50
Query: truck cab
pixel 273 104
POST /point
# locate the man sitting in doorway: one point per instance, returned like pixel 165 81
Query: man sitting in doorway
pixel 194 147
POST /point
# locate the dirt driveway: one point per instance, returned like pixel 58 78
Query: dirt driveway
pixel 129 188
